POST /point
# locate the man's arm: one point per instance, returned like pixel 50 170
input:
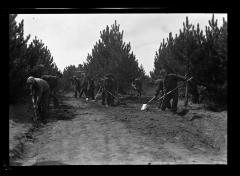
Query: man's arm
pixel 34 101
pixel 159 88
pixel 133 85
pixel 179 77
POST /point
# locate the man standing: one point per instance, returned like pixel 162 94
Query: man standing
pixel 90 88
pixel 137 85
pixel 108 90
pixel 40 91
pixel 160 90
pixel 84 85
pixel 76 86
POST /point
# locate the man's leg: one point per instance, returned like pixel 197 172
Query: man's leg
pixel 165 102
pixel 160 103
pixel 103 97
pixel 111 99
pixel 55 100
pixel 92 94
pixel 75 91
pixel 108 99
pixel 175 102
pixel 86 93
pixel 81 92
pixel 168 104
pixel 45 100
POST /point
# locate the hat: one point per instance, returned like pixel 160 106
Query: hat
pixel 30 79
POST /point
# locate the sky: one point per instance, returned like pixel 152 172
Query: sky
pixel 70 37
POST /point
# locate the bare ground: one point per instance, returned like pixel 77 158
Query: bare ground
pixel 82 132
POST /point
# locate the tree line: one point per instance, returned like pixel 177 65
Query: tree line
pixel 26 60
pixel 201 55
pixel 190 52
pixel 110 55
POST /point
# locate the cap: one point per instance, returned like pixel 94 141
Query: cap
pixel 30 79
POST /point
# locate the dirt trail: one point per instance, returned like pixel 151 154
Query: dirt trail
pixel 88 133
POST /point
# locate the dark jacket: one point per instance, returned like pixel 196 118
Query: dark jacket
pixel 171 81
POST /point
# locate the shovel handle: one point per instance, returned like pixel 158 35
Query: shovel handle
pixel 174 89
pixel 113 96
pixel 151 99
pixel 97 92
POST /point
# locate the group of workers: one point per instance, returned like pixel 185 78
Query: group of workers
pixel 85 85
pixel 44 88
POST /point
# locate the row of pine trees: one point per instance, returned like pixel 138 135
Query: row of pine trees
pixel 201 55
pixel 191 52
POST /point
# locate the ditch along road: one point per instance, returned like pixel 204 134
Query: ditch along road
pixel 83 132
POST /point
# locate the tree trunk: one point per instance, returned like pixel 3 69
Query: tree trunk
pixel 186 95
pixel 187 87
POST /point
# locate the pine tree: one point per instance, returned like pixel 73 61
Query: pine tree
pixel 24 60
pixel 202 56
pixel 17 58
pixel 111 55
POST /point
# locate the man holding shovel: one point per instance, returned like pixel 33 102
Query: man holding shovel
pixel 170 83
pixel 169 87
pixel 108 90
pixel 76 86
pixel 40 91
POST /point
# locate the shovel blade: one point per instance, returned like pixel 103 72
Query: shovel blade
pixel 144 107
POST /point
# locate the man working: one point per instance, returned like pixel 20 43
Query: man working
pixel 108 90
pixel 137 85
pixel 160 90
pixel 40 91
pixel 76 82
pixel 90 88
pixel 84 85
pixel 170 82
pixel 53 82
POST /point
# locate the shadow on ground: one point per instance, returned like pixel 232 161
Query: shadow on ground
pixel 48 163
pixel 62 112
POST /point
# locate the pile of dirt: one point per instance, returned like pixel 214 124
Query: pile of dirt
pixel 207 133
pixel 210 129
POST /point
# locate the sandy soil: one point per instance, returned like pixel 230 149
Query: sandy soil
pixel 82 132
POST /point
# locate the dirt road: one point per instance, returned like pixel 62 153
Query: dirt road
pixel 83 132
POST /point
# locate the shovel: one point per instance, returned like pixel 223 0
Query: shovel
pixel 97 94
pixel 145 106
pixel 116 98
